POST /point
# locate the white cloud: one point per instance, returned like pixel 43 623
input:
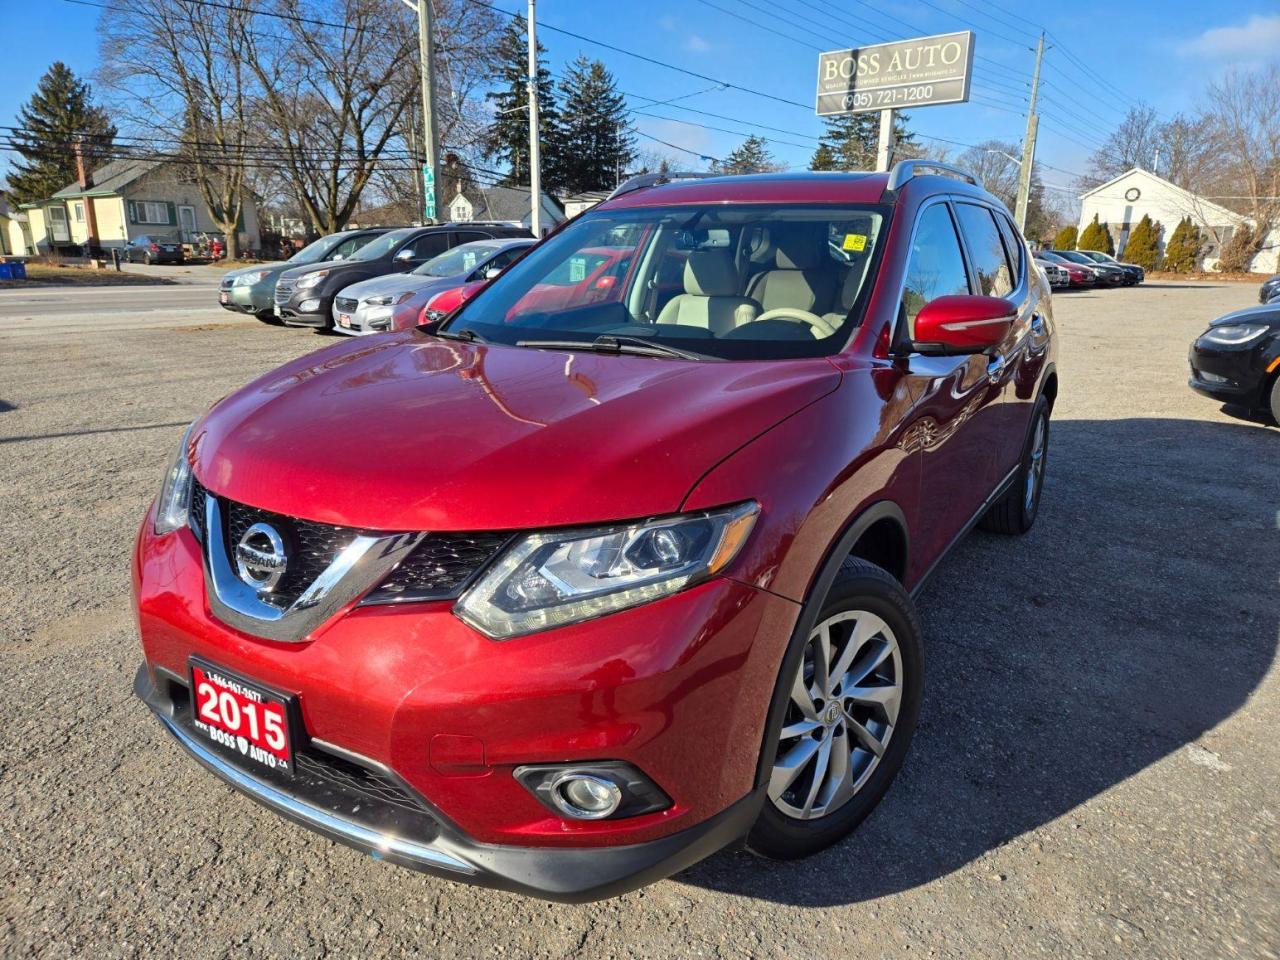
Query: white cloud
pixel 1258 37
pixel 668 24
pixel 696 44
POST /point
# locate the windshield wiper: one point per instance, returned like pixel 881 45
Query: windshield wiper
pixel 613 343
pixel 470 336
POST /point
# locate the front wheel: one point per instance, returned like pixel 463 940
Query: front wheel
pixel 269 316
pixel 1016 511
pixel 851 706
pixel 1275 400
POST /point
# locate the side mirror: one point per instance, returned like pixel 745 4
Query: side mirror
pixel 404 256
pixel 961 324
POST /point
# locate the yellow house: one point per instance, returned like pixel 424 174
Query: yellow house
pixel 130 198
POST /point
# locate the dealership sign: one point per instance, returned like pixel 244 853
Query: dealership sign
pixel 892 76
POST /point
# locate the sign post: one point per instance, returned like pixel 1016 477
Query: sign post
pixel 885 77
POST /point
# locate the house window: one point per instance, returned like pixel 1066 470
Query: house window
pixel 147 211
pixel 78 208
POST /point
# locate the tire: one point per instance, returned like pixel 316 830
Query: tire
pixel 269 317
pixel 146 258
pixel 1275 400
pixel 1016 511
pixel 863 599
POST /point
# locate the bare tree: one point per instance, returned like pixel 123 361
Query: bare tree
pixel 1244 120
pixel 183 67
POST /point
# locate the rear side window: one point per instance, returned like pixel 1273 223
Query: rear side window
pixel 986 249
pixel 429 245
pixel 468 236
pixel 936 268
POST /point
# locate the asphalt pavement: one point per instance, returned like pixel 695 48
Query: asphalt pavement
pixel 1096 773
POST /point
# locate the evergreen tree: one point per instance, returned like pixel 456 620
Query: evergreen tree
pixel 1182 252
pixel 752 157
pixel 1066 239
pixel 1143 247
pixel 1238 252
pixel 593 137
pixel 507 138
pixel 58 113
pixel 851 141
pixel 1096 236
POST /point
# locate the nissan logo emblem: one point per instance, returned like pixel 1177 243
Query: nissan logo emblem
pixel 260 557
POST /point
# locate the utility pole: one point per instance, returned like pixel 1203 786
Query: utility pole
pixel 535 159
pixel 1029 141
pixel 430 149
pixel 884 152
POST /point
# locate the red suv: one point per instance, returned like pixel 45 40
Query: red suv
pixel 561 599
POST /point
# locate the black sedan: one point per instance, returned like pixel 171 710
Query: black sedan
pixel 1134 272
pixel 154 248
pixel 1237 360
pixel 1106 274
pixel 1270 289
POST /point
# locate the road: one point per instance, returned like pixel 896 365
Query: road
pixel 74 310
pixel 1096 773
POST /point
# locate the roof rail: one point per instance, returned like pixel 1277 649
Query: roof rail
pixel 643 180
pixel 904 170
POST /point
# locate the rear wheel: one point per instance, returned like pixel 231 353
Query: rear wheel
pixel 851 706
pixel 146 258
pixel 1016 511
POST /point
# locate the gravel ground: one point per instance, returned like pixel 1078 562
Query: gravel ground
pixel 1097 771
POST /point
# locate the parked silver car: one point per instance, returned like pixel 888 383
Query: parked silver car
pixel 395 301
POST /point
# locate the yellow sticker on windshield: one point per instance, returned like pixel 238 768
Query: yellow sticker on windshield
pixel 854 241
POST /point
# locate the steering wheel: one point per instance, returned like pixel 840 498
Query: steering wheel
pixel 821 328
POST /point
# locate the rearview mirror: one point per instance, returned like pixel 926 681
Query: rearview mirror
pixel 961 324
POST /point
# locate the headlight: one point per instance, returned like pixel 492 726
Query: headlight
pixel 546 580
pixel 311 279
pixel 250 278
pixel 174 502
pixel 1234 334
pixel 387 299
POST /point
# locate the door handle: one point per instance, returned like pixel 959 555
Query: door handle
pixel 995 368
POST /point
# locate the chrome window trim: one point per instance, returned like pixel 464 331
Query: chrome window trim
pixel 356 570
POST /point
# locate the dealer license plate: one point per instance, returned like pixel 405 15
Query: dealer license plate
pixel 344 321
pixel 241 717
pixel 224 297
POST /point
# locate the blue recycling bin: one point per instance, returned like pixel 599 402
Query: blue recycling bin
pixel 6 271
pixel 19 270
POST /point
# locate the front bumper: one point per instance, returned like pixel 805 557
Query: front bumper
pixel 252 299
pixel 424 841
pixel 1236 375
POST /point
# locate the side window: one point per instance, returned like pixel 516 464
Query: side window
pixel 986 249
pixel 429 245
pixel 936 268
pixel 467 236
pixel 503 260
pixel 1014 243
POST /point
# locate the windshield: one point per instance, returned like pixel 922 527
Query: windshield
pixel 1050 256
pixel 1077 257
pixel 1098 257
pixel 461 259
pixel 731 282
pixel 381 246
pixel 317 250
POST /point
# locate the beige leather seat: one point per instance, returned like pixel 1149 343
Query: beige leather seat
pixel 848 293
pixel 710 299
pixel 801 276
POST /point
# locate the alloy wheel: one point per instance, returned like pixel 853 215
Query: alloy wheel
pixel 1035 468
pixel 841 715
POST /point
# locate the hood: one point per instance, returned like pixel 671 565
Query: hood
pixel 405 431
pixel 1266 313
pixel 392 284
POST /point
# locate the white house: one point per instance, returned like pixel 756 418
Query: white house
pixel 1122 202
pixel 577 203
pixel 507 204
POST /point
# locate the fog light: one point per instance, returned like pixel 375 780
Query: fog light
pixel 585 797
pixel 309 306
pixel 595 790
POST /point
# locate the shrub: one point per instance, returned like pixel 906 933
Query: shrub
pixel 1066 239
pixel 1182 252
pixel 1096 236
pixel 1238 253
pixel 1143 247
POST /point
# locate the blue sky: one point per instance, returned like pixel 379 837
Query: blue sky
pixel 1104 56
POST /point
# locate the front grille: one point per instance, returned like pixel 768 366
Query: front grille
pixel 352 777
pixel 346 304
pixel 439 568
pixel 284 290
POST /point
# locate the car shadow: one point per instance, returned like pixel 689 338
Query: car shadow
pixel 1260 417
pixel 1137 615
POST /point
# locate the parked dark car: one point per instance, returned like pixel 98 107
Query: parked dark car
pixel 1270 289
pixel 304 295
pixel 154 248
pixel 1104 274
pixel 1134 272
pixel 1237 360
pixel 252 289
pixel 1078 275
pixel 562 594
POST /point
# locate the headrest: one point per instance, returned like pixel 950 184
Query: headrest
pixel 710 273
pixel 797 248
